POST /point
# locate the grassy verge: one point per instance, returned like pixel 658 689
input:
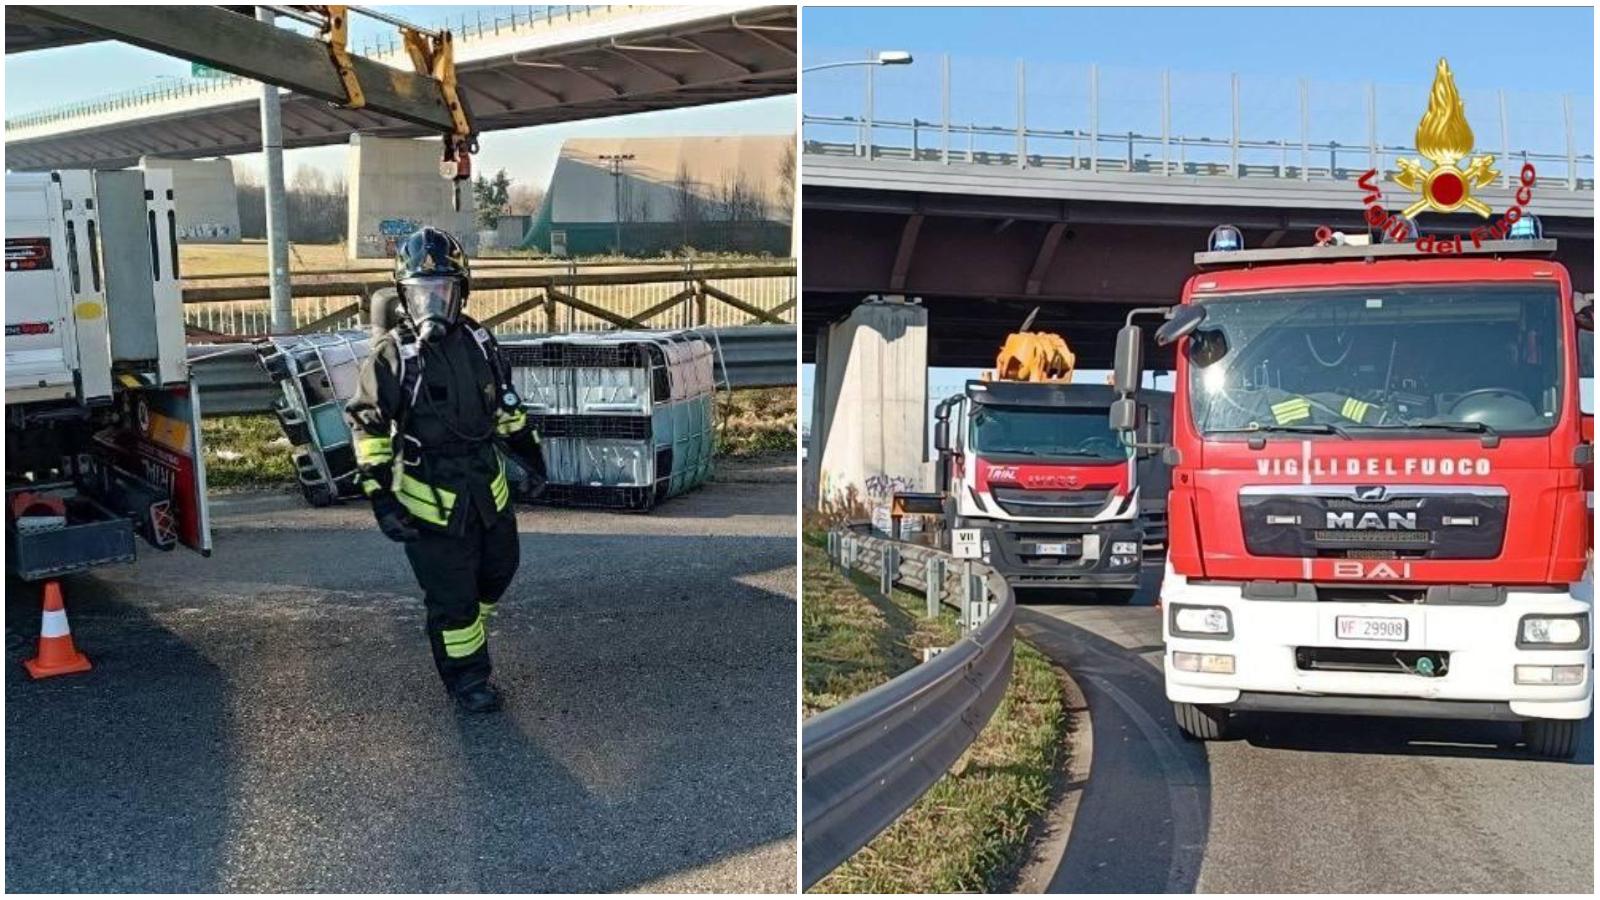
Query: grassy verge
pixel 756 421
pixel 970 831
pixel 246 452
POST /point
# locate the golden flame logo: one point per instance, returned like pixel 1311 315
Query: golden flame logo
pixel 1444 138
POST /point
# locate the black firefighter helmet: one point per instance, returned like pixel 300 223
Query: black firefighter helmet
pixel 433 278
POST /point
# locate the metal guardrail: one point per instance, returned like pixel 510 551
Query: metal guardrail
pixel 1045 114
pixel 232 382
pixel 867 760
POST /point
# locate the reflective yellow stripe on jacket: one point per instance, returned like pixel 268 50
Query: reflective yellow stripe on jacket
pixel 1291 411
pixel 418 498
pixel 1355 410
pixel 498 488
pixel 374 451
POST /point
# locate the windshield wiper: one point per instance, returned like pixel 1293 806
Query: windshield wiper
pixel 1307 428
pixel 1491 437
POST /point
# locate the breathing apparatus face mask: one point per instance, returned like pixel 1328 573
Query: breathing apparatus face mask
pixel 433 304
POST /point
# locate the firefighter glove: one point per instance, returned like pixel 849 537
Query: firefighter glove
pixel 393 520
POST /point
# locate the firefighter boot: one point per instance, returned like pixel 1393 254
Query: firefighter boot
pixel 479 697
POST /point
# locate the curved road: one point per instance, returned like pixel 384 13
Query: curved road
pixel 268 719
pixel 1300 803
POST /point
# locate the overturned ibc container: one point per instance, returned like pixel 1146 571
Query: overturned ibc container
pixel 316 375
pixel 626 419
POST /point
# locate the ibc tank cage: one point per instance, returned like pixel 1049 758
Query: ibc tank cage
pixel 626 419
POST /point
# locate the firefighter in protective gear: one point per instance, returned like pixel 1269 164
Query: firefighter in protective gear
pixel 432 412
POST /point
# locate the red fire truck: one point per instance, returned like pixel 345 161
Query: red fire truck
pixel 1381 486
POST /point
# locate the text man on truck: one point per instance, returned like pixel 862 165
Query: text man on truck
pixel 1378 500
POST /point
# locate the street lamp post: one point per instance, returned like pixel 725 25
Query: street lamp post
pixel 884 58
pixel 614 162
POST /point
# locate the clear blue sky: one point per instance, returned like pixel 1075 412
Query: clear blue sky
pixel 1338 48
pixel 34 81
pixel 1517 48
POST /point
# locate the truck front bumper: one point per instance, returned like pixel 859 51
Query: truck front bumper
pixel 1050 554
pixel 1286 656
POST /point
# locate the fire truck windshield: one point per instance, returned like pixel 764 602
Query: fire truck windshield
pixel 1485 358
pixel 1045 432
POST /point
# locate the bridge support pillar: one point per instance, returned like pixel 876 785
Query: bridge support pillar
pixel 395 189
pixel 207 200
pixel 869 417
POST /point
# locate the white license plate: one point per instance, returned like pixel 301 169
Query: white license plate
pixel 1051 549
pixel 1369 628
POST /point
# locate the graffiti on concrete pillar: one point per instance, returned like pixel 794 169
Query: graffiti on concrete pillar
pixel 207 231
pixel 389 233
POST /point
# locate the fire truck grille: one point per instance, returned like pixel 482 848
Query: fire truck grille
pixel 1422 524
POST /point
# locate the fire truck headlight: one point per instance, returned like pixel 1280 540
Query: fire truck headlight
pixel 1201 621
pixel 1125 548
pixel 1566 632
pixel 1549 674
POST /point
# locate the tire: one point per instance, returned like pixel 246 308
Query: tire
pixel 1201 723
pixel 1551 738
pixel 317 495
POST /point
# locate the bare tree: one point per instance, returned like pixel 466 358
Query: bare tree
pixel 525 200
pixel 786 173
pixel 689 210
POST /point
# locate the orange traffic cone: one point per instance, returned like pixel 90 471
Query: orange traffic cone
pixel 57 655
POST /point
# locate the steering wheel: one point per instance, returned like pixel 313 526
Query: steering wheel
pixel 1488 392
pixel 1100 446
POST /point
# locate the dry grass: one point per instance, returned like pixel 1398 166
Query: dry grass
pixel 201 260
pixel 970 831
pixel 757 420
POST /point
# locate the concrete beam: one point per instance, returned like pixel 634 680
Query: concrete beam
pixel 234 43
pixel 902 256
pixel 1046 255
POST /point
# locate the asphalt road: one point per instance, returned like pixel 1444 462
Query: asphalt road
pixel 269 720
pixel 1300 803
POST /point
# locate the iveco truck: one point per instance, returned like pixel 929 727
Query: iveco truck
pixel 1379 498
pixel 102 422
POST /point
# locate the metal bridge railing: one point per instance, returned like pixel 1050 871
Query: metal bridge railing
pixel 465 27
pixel 1089 118
pixel 867 760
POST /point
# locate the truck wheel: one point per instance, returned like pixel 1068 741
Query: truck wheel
pixel 1551 738
pixel 1201 723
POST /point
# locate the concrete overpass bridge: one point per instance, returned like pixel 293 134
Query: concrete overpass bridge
pixel 555 65
pixel 1027 202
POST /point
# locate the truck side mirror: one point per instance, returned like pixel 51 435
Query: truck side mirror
pixel 1129 362
pixel 1125 415
pixel 941 435
pixel 1585 316
pixel 1184 320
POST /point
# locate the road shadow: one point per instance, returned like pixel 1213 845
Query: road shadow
pixel 120 778
pixel 1144 815
pixel 1369 735
pixel 269 720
